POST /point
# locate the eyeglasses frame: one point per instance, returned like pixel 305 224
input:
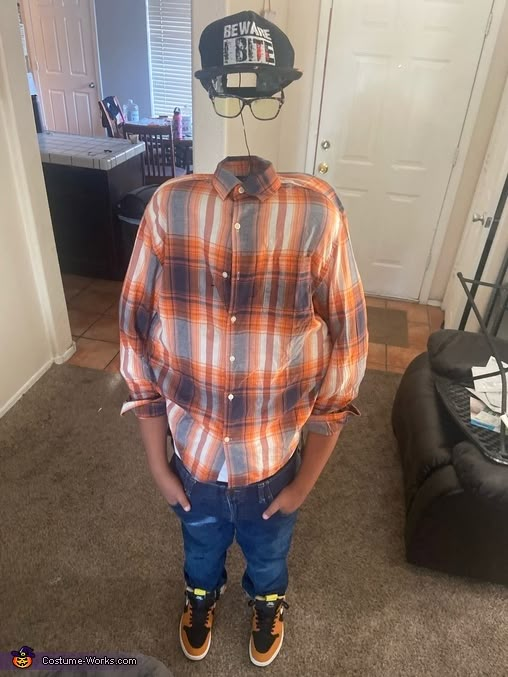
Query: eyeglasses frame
pixel 212 93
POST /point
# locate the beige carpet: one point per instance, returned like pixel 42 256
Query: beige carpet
pixel 90 557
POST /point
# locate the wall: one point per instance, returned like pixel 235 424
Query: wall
pixel 123 51
pixel 284 140
pixel 264 137
pixel 35 326
pixel 303 25
pixel 475 155
pixel 209 130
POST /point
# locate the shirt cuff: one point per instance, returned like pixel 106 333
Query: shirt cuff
pixel 328 424
pixel 148 408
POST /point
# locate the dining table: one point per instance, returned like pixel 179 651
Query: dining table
pixel 184 145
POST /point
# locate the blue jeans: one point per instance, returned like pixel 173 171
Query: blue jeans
pixel 218 513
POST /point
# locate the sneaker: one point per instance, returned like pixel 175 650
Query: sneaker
pixel 197 620
pixel 267 628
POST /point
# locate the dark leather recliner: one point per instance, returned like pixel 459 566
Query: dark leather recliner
pixel 456 498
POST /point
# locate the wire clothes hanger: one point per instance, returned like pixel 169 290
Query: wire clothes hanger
pixel 245 133
pixel 246 143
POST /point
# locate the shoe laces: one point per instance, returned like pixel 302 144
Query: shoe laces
pixel 266 612
pixel 200 606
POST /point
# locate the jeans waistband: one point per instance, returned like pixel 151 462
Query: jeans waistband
pixel 275 482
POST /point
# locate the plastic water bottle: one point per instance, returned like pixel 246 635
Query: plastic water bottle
pixel 131 111
pixel 177 125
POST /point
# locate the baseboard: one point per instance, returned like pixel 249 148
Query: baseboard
pixel 33 380
pixel 67 355
pixel 438 304
pixel 25 388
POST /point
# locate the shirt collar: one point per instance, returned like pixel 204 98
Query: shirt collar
pixel 256 176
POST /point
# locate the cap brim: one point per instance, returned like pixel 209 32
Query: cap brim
pixel 281 76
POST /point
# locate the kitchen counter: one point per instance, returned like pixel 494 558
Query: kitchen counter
pixel 86 151
pixel 85 179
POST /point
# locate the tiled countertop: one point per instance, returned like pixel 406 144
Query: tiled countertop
pixel 86 151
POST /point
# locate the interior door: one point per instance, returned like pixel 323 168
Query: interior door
pixel 64 48
pixel 485 236
pixel 398 80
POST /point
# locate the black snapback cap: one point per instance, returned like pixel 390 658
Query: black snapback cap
pixel 247 43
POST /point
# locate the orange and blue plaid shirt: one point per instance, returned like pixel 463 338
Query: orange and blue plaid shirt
pixel 242 317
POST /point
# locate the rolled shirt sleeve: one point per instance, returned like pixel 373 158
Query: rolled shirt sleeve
pixel 139 316
pixel 340 302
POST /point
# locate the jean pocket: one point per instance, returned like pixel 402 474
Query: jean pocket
pixel 187 480
pixel 188 483
pixel 177 509
pixel 273 486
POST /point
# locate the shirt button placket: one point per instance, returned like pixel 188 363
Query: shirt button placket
pixel 225 275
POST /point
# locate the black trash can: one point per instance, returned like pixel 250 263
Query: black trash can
pixel 130 211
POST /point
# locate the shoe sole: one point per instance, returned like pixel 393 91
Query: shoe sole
pixel 263 665
pixel 186 653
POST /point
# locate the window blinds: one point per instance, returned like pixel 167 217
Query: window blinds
pixel 169 28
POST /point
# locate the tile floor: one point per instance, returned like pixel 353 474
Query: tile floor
pixel 93 315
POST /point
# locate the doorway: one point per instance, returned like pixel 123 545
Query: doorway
pixel 485 237
pixel 64 59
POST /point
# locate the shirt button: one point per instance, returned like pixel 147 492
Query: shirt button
pixel 226 439
pixel 232 358
pixel 237 226
pixel 233 319
pixel 241 190
pixel 224 274
pixel 231 397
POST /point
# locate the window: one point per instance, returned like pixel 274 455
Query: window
pixel 169 28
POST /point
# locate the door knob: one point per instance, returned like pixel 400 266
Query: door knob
pixel 325 145
pixel 323 168
pixel 483 219
pixel 92 85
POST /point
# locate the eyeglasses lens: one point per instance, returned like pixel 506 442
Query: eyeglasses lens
pixel 227 107
pixel 265 109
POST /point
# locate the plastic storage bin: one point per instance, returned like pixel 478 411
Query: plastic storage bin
pixel 129 212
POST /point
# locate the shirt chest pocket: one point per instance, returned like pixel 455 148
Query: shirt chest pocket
pixel 287 293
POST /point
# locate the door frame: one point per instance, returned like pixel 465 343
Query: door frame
pixel 494 175
pixel 491 271
pixel 32 56
pixel 490 40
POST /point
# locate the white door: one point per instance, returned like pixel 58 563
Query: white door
pixel 398 79
pixel 62 39
pixel 483 224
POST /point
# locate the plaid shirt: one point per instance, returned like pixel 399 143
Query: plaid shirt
pixel 242 317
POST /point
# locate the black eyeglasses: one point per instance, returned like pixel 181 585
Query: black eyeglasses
pixel 262 108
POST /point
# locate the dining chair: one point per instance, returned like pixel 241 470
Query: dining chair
pixel 183 155
pixel 113 119
pixel 159 156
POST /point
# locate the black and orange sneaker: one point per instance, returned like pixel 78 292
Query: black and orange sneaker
pixel 197 620
pixel 267 628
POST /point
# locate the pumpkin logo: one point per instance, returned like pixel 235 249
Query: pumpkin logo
pixel 23 658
